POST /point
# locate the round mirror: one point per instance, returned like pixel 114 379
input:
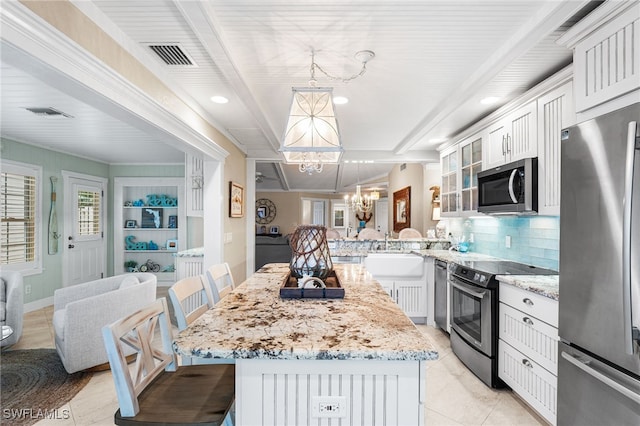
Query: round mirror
pixel 265 211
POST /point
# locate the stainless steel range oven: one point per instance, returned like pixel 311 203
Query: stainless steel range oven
pixel 474 313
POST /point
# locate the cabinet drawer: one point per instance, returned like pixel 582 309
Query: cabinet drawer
pixel 529 335
pixel 533 383
pixel 530 303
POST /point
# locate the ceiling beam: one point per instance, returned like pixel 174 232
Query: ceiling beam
pixel 201 18
pixel 283 177
pixel 550 17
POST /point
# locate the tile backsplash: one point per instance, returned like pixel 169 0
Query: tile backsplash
pixel 535 240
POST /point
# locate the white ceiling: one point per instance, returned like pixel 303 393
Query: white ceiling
pixel 434 61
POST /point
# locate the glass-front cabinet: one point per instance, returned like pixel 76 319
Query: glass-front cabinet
pixel 460 167
pixel 449 188
pixel 471 164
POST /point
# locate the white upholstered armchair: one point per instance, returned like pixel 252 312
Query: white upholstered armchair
pixel 80 312
pixel 11 304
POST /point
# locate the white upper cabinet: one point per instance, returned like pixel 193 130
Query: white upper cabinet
pixel 513 137
pixel 555 112
pixel 606 56
pixel 526 128
pixel 460 167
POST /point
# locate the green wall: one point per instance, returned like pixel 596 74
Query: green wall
pixel 53 163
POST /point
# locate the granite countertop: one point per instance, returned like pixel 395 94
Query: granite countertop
pixel 545 285
pixel 453 256
pixel 254 322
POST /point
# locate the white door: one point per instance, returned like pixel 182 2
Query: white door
pixel 381 215
pixel 83 238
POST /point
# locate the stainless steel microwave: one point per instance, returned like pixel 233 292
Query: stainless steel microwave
pixel 509 189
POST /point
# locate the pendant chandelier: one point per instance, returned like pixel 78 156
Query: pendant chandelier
pixel 359 203
pixel 312 138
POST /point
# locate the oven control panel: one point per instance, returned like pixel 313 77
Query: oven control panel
pixel 471 275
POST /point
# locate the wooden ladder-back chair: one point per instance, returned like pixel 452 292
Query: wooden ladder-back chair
pixel 221 280
pixel 155 390
pixel 190 297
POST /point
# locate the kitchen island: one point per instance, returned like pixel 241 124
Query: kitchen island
pixel 361 356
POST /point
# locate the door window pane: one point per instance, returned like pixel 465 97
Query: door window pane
pixel 88 213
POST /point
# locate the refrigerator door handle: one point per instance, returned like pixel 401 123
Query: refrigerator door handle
pixel 626 238
pixel 602 377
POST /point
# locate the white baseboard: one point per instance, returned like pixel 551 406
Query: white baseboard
pixel 38 304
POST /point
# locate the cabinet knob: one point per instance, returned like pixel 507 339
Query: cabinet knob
pixel 527 363
pixel 71 246
pixel 527 301
pixel 527 321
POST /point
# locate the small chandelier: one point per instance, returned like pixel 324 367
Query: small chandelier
pixel 311 162
pixel 312 137
pixel 360 203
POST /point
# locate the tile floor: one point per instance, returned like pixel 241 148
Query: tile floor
pixel 454 395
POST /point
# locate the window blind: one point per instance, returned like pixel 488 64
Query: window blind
pixel 18 220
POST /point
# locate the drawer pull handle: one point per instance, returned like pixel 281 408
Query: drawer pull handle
pixel 527 321
pixel 527 363
pixel 527 301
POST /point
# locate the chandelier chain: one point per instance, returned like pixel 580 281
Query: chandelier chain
pixel 314 65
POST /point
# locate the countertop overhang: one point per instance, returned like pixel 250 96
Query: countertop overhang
pixel 254 322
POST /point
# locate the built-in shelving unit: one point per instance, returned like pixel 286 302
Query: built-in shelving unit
pixel 149 213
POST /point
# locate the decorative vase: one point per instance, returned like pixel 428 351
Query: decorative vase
pixel 310 252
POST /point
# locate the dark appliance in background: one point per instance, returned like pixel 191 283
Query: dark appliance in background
pixel 508 189
pixel 474 313
pixel 599 321
pixel 440 290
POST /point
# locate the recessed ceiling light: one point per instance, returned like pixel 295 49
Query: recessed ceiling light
pixel 219 99
pixel 340 100
pixel 489 100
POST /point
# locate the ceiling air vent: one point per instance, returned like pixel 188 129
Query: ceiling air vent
pixel 48 112
pixel 172 54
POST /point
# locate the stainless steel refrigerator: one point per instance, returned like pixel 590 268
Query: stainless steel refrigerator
pixel 599 354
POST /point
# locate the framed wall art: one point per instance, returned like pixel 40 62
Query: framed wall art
pixel 151 218
pixel 402 209
pixel 236 200
pixel 130 223
pixel 172 245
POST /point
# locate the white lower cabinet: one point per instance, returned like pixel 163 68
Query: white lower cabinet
pixel 530 381
pixel 410 295
pixel 528 348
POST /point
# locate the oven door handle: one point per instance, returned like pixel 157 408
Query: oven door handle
pixel 467 289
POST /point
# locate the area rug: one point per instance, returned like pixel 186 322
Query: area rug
pixel 35 385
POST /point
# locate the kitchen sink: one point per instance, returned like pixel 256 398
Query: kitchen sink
pixel 396 265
